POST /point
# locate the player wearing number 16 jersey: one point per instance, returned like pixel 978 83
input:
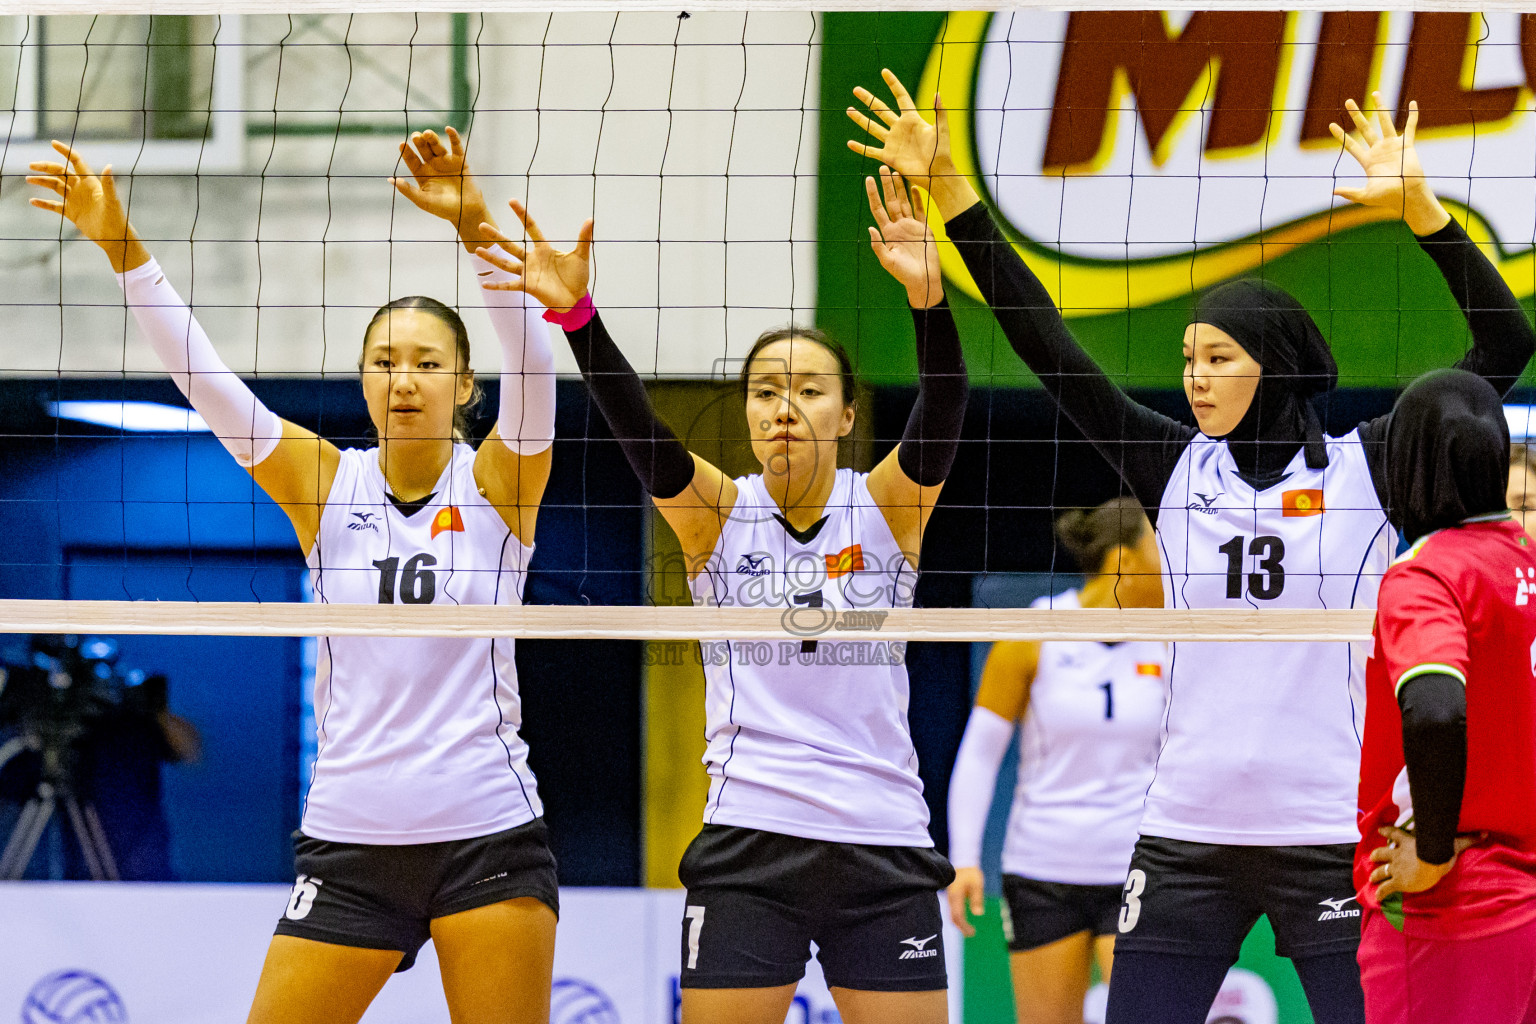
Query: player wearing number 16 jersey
pixel 422 819
pixel 1251 811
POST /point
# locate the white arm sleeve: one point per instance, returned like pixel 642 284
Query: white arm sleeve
pixel 972 783
pixel 237 418
pixel 526 416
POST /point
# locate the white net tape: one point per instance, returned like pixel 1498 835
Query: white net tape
pixel 708 624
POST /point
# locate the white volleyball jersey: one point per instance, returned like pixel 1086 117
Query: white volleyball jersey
pixel 1087 744
pixel 809 737
pixel 1263 739
pixel 417 737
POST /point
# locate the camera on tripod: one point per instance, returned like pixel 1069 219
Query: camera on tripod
pixel 55 691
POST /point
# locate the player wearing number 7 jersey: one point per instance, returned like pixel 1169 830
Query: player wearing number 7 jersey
pixel 1252 808
pixel 815 826
pixel 422 819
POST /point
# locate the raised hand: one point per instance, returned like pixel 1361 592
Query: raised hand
pixel 555 278
pixel 902 240
pixel 90 202
pixel 440 183
pixel 1394 178
pixel 912 147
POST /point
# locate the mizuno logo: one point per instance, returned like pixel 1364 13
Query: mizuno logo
pixel 918 950
pixel 365 521
pixel 750 566
pixel 1205 503
pixel 1336 909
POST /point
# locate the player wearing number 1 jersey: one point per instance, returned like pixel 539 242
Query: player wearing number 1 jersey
pixel 1089 717
pixel 1252 808
pixel 816 828
pixel 422 819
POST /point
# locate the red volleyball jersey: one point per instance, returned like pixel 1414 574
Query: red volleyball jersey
pixel 1461 602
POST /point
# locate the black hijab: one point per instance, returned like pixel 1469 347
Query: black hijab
pixel 1447 453
pixel 1296 363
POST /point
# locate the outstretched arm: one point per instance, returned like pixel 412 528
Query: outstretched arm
pixel 1141 444
pixel 907 482
pixel 293 465
pixel 513 466
pixel 1502 338
pixel 692 495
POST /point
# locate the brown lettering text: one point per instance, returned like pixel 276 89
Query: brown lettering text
pixel 1161 70
pixel 1341 69
pixel 1437 55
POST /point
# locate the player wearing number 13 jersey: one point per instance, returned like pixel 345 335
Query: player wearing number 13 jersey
pixel 1251 807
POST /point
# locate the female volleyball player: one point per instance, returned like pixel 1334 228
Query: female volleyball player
pixel 1252 808
pixel 1089 718
pixel 816 829
pixel 422 819
pixel 1446 866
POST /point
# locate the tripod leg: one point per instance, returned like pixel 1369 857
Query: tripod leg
pixel 25 835
pixel 97 836
pixel 85 838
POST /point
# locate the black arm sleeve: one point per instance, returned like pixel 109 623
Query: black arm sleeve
pixel 1141 444
pixel 932 437
pixel 1434 710
pixel 658 458
pixel 1502 337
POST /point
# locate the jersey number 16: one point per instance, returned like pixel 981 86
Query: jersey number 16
pixel 416 584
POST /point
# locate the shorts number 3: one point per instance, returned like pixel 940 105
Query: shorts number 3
pixel 1130 910
pixel 695 916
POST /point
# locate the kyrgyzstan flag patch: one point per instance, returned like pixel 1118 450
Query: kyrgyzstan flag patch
pixel 850 559
pixel 1149 668
pixel 447 519
pixel 1303 502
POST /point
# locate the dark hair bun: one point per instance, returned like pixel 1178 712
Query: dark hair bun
pixel 1090 534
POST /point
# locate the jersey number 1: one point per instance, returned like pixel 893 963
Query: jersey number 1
pixel 1265 584
pixel 417 583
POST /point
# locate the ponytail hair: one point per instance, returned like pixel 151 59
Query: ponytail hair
pixel 1090 534
pixel 445 313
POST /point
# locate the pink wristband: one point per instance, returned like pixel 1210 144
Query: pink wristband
pixel 575 318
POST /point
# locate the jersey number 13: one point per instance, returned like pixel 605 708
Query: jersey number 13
pixel 1268 581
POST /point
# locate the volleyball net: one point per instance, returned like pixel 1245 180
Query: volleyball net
pixel 1133 158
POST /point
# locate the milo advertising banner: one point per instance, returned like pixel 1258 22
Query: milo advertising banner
pixel 1136 157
